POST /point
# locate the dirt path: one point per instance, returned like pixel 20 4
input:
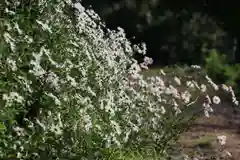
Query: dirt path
pixel 201 140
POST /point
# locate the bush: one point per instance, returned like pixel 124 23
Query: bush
pixel 67 91
pixel 215 64
pixel 220 70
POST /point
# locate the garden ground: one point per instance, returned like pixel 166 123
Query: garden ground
pixel 201 142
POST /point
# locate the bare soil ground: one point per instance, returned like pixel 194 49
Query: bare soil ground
pixel 201 140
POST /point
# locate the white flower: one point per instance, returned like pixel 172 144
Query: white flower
pixel 203 88
pixel 143 65
pixel 10 41
pixel 207 108
pixel 215 87
pixel 79 7
pixel 41 124
pixel 186 96
pixel 117 127
pixel 208 99
pixel 162 72
pixel 53 79
pixel 206 113
pixel 225 87
pixel 236 102
pixel 45 26
pixel 196 66
pixel 16 26
pixel 216 100
pixel 56 129
pixel 159 81
pixel 190 84
pixel 87 122
pixel 37 69
pixel 163 111
pixel 177 80
pixel 13 96
pixel 72 81
pixel 227 153
pixel 9 11
pixel 12 64
pixel 222 139
pixel 56 100
pixel 177 110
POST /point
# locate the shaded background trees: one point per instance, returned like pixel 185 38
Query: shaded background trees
pixel 179 32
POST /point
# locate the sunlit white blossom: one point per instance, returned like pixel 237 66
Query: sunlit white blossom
pixel 186 96
pixel 177 80
pixel 12 64
pixel 222 139
pixel 203 88
pixel 13 97
pixel 216 100
pixel 190 84
pixel 44 26
pixel 196 66
pixel 225 87
pixel 10 40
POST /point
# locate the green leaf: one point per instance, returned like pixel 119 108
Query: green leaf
pixel 2 126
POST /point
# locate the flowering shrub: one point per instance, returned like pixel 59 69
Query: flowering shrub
pixel 67 91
